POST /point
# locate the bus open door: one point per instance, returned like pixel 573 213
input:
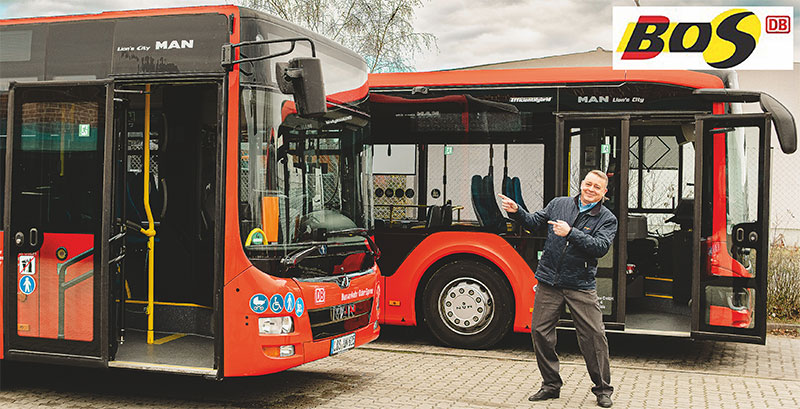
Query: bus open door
pixel 731 231
pixel 57 222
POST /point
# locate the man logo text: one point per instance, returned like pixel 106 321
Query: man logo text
pixel 170 45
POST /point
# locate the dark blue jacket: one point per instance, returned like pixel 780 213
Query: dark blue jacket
pixel 571 261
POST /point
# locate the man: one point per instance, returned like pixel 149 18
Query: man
pixel 581 231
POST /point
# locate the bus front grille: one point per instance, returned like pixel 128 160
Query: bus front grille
pixel 339 319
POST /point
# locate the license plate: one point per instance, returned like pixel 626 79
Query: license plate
pixel 343 312
pixel 341 344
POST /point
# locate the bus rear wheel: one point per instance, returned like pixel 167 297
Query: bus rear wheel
pixel 468 305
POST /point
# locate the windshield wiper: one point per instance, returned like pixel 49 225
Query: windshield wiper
pixel 322 248
pixel 358 231
pixel 292 259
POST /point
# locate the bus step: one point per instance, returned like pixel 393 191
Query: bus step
pixel 154 367
pixel 664 296
pixel 657 285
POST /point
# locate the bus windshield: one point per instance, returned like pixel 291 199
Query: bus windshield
pixel 301 181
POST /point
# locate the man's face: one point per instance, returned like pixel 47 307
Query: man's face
pixel 593 188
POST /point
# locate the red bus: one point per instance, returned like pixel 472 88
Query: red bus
pixel 183 193
pixel 689 184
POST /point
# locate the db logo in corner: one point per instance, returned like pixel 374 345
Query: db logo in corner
pixel 754 38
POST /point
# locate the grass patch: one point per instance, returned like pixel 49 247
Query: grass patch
pixel 783 283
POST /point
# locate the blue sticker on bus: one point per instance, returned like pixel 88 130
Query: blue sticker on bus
pixel 27 284
pixel 276 303
pixel 258 303
pixel 289 302
pixel 299 307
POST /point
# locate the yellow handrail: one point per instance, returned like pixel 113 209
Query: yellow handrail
pixel 150 232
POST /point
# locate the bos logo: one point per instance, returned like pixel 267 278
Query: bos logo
pixel 702 37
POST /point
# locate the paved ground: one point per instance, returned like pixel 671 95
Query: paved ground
pixel 405 370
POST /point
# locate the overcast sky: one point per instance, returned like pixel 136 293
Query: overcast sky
pixel 469 32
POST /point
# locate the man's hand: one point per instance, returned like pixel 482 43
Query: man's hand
pixel 560 227
pixel 508 205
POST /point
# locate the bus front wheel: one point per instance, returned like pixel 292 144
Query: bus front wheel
pixel 468 305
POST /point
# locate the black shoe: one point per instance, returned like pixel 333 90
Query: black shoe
pixel 544 394
pixel 604 401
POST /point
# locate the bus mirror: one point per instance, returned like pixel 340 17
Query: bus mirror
pixel 687 134
pixel 302 77
pixel 783 120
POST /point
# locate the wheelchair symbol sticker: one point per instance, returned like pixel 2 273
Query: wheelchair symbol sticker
pixel 276 303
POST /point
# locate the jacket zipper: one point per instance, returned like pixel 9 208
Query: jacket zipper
pixel 564 250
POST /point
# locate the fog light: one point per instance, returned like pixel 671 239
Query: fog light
pixel 275 352
pixel 287 350
pixel 275 325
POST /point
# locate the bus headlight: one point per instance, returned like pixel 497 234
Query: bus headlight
pixel 275 325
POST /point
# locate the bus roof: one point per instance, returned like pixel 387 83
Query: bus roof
pixel 532 76
pixel 152 42
pixel 221 9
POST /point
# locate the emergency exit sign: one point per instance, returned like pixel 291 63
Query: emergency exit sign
pixel 84 130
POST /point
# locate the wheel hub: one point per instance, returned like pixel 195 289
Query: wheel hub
pixel 466 305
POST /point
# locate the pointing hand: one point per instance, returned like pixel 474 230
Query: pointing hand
pixel 508 205
pixel 560 227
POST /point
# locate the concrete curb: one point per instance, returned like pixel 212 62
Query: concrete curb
pixel 781 325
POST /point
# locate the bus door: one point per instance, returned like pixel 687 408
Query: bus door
pixel 731 227
pixel 57 222
pixel 588 141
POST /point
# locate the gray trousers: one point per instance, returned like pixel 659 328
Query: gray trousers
pixel 588 319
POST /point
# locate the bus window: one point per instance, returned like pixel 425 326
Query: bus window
pixel 300 179
pixel 740 193
pixel 451 169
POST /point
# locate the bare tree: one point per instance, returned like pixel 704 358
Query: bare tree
pixel 381 31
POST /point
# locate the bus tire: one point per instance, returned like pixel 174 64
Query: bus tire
pixel 468 305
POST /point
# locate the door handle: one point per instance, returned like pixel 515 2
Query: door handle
pixel 34 237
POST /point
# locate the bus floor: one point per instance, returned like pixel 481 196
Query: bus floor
pixel 658 321
pixel 170 352
pixel 657 314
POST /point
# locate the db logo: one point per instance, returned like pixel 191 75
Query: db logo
pixel 319 295
pixel 779 24
pixel 725 42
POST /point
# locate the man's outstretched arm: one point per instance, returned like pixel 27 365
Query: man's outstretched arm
pixel 530 221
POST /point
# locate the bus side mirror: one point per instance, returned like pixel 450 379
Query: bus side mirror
pixel 784 122
pixel 302 77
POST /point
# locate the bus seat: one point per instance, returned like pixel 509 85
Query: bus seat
pixel 637 226
pixel 512 188
pixel 434 218
pixel 516 190
pixel 683 214
pixel 507 187
pixel 495 220
pixel 447 214
pixel 477 204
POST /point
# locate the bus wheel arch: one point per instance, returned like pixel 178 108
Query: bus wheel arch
pixel 466 284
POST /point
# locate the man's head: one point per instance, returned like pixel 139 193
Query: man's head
pixel 594 186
